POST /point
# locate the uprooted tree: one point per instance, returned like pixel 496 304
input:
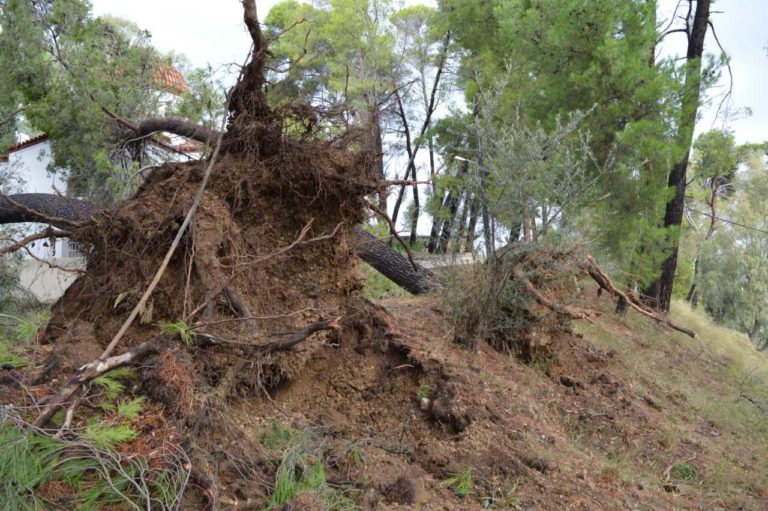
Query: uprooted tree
pixel 249 253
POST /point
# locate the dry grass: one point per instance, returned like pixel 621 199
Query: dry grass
pixel 714 394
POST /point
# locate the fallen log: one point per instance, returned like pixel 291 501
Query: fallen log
pixel 63 212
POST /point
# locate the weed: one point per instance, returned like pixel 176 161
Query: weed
pixel 683 472
pixel 504 498
pixel 425 389
pixel 10 360
pixel 182 329
pixel 461 484
pixel 297 456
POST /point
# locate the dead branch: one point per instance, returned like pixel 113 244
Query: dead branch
pixel 90 371
pixel 294 339
pixel 207 483
pixel 568 310
pixel 606 283
pixel 393 229
pixel 47 233
pixel 238 304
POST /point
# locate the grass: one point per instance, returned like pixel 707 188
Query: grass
pixel 297 455
pixel 718 381
pixel 378 286
pixel 461 484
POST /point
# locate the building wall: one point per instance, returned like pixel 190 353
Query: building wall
pixel 45 282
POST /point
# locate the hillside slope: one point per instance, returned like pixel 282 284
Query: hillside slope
pixel 392 414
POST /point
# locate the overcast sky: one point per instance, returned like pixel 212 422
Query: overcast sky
pixel 213 33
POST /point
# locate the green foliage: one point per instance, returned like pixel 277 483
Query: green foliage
pixel 299 468
pixel 734 275
pixel 130 409
pixel 486 303
pixel 24 327
pixel 378 286
pixel 106 436
pixel 683 472
pixel 182 329
pixel 65 67
pixel 95 479
pixel 461 484
pixel 425 389
pixel 112 387
pixel 10 359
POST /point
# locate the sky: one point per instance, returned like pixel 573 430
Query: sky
pixel 216 36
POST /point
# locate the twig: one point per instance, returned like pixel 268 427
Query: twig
pixel 393 229
pixel 50 264
pixel 46 233
pixel 92 370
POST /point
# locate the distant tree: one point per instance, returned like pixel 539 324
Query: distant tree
pixel 714 164
pixel 734 264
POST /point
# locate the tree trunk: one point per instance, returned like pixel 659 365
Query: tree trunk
pixel 377 146
pixel 659 294
pixel 437 225
pixel 472 225
pixel 392 264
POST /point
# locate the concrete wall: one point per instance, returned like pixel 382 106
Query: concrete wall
pixel 47 284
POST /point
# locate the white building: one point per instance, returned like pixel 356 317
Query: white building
pixel 42 271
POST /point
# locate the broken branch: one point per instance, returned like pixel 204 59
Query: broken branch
pixel 606 283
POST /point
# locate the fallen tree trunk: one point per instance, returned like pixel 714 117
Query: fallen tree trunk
pixel 62 212
pixel 178 126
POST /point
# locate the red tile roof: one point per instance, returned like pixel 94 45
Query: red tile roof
pixel 23 145
pixel 170 80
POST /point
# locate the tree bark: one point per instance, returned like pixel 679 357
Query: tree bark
pixel 177 126
pixel 659 293
pixel 392 264
pixel 63 212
